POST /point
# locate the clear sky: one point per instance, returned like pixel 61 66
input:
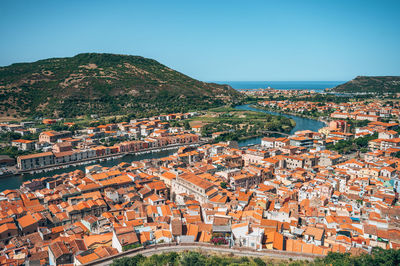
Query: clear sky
pixel 214 40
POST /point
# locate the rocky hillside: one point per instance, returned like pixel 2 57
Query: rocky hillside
pixel 371 84
pixel 103 84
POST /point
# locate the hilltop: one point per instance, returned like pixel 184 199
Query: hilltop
pixel 371 84
pixel 103 84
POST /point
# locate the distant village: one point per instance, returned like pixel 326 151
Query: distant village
pixel 271 92
pixel 289 193
pixel 372 111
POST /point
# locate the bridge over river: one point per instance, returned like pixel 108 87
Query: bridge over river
pixel 275 132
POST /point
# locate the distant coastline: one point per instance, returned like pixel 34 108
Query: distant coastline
pixel 282 85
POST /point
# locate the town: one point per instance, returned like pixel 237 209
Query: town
pixel 56 148
pixel 190 133
pixel 303 194
pixel 371 111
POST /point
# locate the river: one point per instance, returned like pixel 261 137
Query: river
pixel 301 123
pixel 14 182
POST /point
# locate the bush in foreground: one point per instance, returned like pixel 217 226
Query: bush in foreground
pixel 377 257
pixel 189 258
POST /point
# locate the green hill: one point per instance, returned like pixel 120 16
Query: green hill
pixel 370 84
pixel 103 84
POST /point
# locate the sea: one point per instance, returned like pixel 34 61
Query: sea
pixel 282 85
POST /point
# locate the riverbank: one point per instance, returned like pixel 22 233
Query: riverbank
pixel 262 135
pixel 105 157
pixel 301 123
pixel 290 113
pixel 15 181
pixel 227 123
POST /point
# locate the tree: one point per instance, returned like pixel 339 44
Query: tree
pixel 223 184
pixel 259 261
pixel 129 261
pixel 378 256
pixel 9 136
pixel 192 259
pixel 59 127
pixel 131 246
pixel 186 125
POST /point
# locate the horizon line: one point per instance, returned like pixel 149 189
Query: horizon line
pixel 275 80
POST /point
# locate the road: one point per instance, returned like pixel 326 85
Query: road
pixel 283 255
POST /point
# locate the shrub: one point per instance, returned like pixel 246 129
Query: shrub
pixel 219 241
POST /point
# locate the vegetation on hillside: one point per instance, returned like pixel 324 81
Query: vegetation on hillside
pixel 378 256
pixel 103 84
pixel 377 84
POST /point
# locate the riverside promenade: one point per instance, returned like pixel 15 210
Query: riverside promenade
pixel 105 157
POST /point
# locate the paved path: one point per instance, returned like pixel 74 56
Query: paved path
pixel 268 253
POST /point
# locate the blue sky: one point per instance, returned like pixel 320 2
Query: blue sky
pixel 214 40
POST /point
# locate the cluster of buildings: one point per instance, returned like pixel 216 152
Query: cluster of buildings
pixel 54 148
pixel 287 194
pixel 383 136
pixel 297 106
pixel 65 153
pixel 373 111
pixel 277 92
pixel 363 110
